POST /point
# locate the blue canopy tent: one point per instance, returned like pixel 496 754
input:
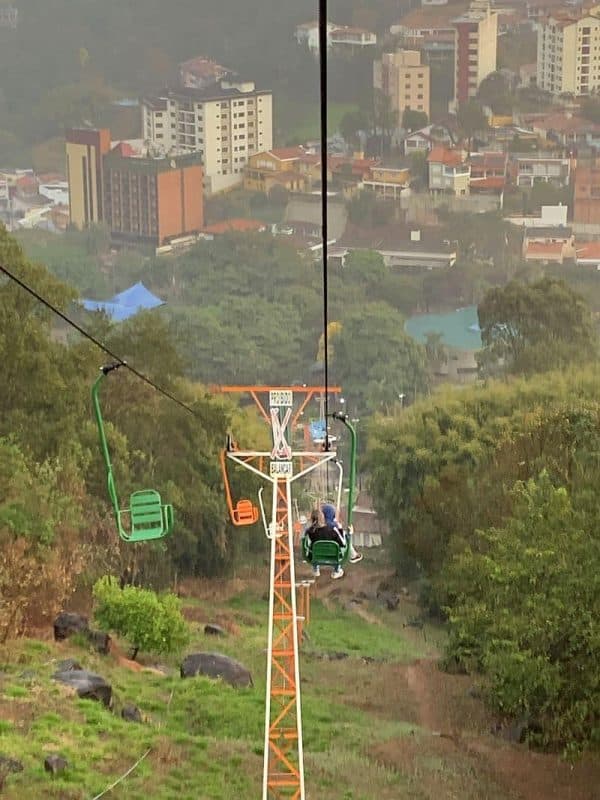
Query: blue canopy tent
pixel 125 304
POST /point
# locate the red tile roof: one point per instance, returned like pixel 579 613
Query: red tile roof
pixel 494 182
pixel 237 225
pixel 432 16
pixel 544 249
pixel 446 156
pixel 124 149
pixel 562 123
pixel 287 153
pixel 589 250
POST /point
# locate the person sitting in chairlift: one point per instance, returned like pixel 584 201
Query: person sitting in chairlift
pixel 319 531
pixel 329 513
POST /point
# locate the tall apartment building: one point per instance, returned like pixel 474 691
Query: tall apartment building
pixel 141 199
pixel 85 149
pixel 476 49
pixel 403 78
pixel 152 200
pixel 225 123
pixel 567 54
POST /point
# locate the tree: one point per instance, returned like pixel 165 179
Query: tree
pixel 436 350
pixel 151 622
pixel 413 120
pixel 385 119
pixel 525 610
pixel 528 328
pixel 419 167
pixel 352 123
pixel 377 361
pixel 494 91
pixel 590 109
pixel 471 120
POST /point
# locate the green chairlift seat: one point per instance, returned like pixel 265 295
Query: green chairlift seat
pixel 148 517
pixel 326 553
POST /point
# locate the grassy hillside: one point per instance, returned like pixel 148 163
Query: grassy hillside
pixel 380 723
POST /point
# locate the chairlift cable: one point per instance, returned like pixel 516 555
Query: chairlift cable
pixel 323 110
pixel 324 229
pixel 96 341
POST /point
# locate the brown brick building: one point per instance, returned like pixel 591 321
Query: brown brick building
pixel 586 200
pixel 141 199
pixel 152 200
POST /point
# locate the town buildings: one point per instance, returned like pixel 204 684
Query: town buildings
pixel 475 53
pixel 528 170
pixel 586 194
pixel 201 72
pixel 449 171
pixel 339 37
pixel 86 148
pixel 225 123
pixel 404 80
pixel 150 200
pixel 567 60
pixel 142 199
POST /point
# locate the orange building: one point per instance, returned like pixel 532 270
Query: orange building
pixel 152 200
pixel 586 206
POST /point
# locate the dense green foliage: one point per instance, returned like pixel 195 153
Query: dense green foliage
pixel 443 474
pixel 526 608
pixel 53 449
pixel 534 327
pixel 150 622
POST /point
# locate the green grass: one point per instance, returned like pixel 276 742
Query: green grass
pixel 302 119
pixel 347 632
pixel 206 738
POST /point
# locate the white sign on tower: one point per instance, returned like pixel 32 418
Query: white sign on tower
pixel 281 402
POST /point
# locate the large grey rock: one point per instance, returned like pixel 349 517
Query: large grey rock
pixel 87 684
pixel 131 713
pixel 55 764
pixel 8 764
pixel 67 623
pixel 100 641
pixel 212 629
pixel 216 665
pixel 68 664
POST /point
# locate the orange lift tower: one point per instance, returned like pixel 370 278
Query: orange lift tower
pixel 281 407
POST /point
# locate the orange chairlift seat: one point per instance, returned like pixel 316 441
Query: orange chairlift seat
pixel 244 512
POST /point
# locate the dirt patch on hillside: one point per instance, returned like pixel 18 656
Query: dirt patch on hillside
pixel 457 756
pixel 452 752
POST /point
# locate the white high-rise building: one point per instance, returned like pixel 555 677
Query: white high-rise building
pixel 568 52
pixel 226 123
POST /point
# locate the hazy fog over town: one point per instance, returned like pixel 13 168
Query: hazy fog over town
pixel 432 350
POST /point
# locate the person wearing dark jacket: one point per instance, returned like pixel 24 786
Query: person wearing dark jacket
pixel 319 531
pixel 329 514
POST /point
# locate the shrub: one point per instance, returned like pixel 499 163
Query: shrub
pixel 147 620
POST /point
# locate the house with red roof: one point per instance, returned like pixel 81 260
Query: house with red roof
pixel 488 173
pixel 587 254
pixel 552 244
pixel 449 171
pixel 277 167
pixel 237 225
pixel 567 129
pixel 586 194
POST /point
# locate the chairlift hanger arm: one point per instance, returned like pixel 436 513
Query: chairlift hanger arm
pixel 344 419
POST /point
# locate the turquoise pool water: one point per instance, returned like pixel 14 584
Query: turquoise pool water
pixel 459 328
